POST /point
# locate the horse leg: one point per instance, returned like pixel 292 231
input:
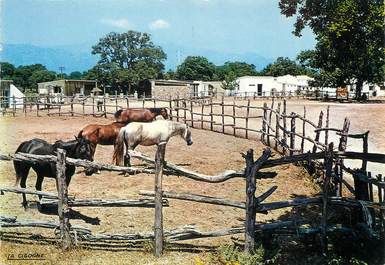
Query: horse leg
pixel 127 157
pixel 22 170
pixel 39 182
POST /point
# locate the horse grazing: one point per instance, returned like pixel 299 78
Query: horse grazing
pixel 101 134
pixel 79 148
pixel 152 133
pixel 140 115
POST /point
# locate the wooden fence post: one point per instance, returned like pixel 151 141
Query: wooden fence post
pixel 247 118
pixel 171 108
pixel 223 115
pixel 269 124
pixel 202 110
pixel 365 150
pixel 104 106
pixel 63 210
pixel 284 127
pixel 292 133
pixel 93 105
pixel 328 164
pixel 177 108
pixel 72 106
pixel 211 115
pixel 250 202
pixel 327 126
pixel 184 110
pixel 264 130
pixel 191 113
pixel 14 106
pixel 83 106
pixel 317 134
pixel 234 121
pixel 303 130
pixel 37 107
pixel 277 120
pixel 381 199
pixel 158 224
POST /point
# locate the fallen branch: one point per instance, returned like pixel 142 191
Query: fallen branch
pixel 146 203
pixel 228 174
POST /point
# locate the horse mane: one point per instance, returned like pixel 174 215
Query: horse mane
pixel 156 110
pixel 118 113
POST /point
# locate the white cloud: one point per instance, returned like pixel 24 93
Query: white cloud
pixel 121 23
pixel 159 24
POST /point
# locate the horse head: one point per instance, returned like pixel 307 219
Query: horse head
pixel 163 113
pixel 187 135
pixel 118 115
pixel 83 150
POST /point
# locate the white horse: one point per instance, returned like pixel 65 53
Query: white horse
pixel 147 133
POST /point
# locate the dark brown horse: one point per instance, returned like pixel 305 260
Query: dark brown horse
pixel 140 115
pixel 101 134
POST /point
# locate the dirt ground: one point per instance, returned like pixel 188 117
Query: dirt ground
pixel 211 153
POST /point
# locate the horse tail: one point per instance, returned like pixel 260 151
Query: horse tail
pixel 80 134
pixel 119 148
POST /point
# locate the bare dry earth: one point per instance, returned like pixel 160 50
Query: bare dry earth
pixel 211 153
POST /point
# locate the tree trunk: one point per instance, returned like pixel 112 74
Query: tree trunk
pixel 359 85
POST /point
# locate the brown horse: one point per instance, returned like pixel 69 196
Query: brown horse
pixel 101 134
pixel 140 115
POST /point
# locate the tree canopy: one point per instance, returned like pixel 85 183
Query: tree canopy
pixel 127 58
pixel 236 69
pixel 350 39
pixel 285 66
pixel 195 68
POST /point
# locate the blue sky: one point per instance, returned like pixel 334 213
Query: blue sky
pixel 226 26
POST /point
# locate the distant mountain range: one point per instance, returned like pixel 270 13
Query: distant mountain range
pixel 79 57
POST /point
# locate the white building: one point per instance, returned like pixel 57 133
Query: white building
pixel 268 85
pixel 10 95
pixel 206 88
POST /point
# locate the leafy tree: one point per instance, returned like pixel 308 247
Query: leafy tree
pixel 169 75
pixel 284 66
pixel 229 82
pixel 75 75
pixel 349 34
pixel 40 76
pixel 131 57
pixel 21 75
pixel 235 68
pixel 196 68
pixel 6 70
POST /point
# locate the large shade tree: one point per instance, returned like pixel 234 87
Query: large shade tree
pixel 127 58
pixel 350 39
pixel 195 68
pixel 285 66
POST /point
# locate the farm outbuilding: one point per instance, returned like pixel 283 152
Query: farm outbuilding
pixel 67 87
pixel 164 89
pixel 268 85
pixel 207 88
pixel 10 95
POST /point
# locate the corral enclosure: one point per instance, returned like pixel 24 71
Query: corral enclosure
pixel 211 153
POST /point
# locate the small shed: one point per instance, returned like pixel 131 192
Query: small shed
pixel 10 95
pixel 164 89
pixel 67 87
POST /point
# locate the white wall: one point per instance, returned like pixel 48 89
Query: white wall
pixel 250 84
pixel 15 92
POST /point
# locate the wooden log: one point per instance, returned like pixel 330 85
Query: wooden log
pixel 40 224
pixel 380 194
pixel 93 105
pixel 144 203
pixel 317 135
pixel 264 120
pixel 177 108
pixel 292 135
pixel 104 107
pixel 63 210
pixel 26 191
pixel 184 111
pixel 170 102
pixel 158 222
pixel 196 198
pixel 228 174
